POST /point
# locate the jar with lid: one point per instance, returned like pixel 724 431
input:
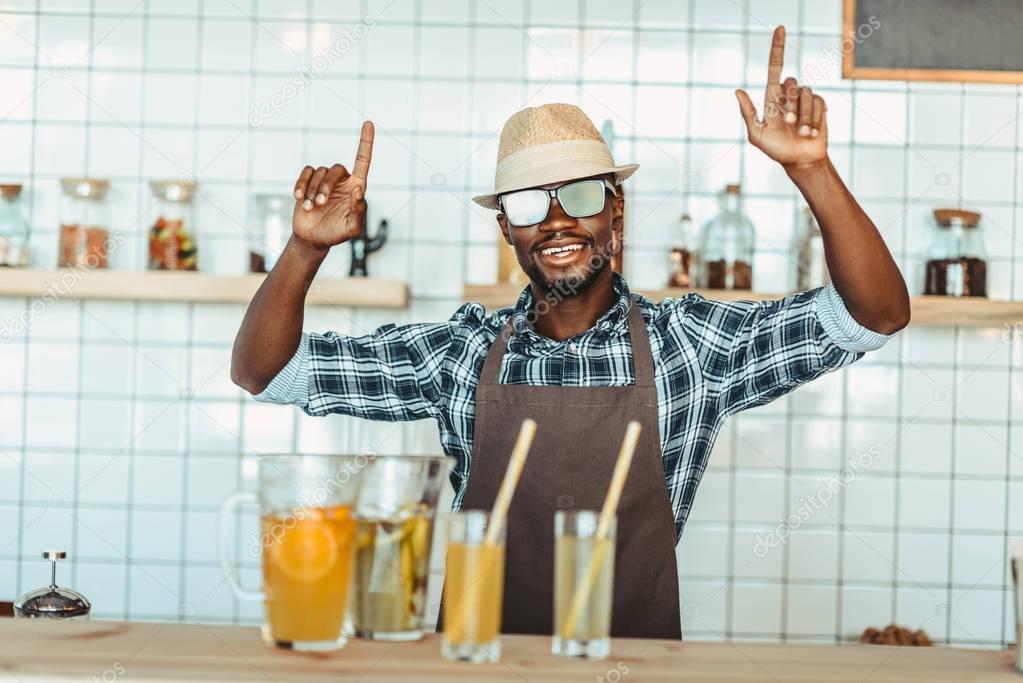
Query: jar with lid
pixel 53 601
pixel 13 228
pixel 726 245
pixel 172 239
pixel 956 260
pixel 84 223
pixel 273 229
pixel 808 253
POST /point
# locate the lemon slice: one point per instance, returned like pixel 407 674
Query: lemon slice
pixel 307 551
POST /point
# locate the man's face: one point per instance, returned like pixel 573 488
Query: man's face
pixel 591 242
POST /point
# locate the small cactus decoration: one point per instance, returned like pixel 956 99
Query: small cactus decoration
pixel 363 245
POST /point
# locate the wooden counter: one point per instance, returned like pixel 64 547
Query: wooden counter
pixel 107 651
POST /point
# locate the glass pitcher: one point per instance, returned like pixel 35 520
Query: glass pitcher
pixel 396 511
pixel 306 543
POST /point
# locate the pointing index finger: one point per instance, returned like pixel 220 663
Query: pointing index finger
pixel 777 58
pixel 365 153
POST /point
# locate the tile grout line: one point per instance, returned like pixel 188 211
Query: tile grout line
pixel 79 403
pixel 19 578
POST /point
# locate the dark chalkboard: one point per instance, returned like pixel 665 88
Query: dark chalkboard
pixel 933 40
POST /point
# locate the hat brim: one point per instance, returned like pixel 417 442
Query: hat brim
pixel 489 200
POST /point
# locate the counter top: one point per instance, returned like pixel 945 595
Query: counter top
pixel 106 651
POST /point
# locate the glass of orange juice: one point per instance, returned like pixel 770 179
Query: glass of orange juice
pixel 473 590
pixel 306 546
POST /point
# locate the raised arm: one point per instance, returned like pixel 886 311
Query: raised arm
pixel 329 206
pixel 794 132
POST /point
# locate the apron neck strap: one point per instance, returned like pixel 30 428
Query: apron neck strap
pixel 642 357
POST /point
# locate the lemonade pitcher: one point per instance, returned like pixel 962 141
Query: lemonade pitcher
pixel 395 512
pixel 306 544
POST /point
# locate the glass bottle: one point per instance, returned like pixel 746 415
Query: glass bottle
pixel 811 267
pixel 683 256
pixel 172 244
pixel 956 264
pixel 84 224
pixel 726 245
pixel 273 221
pixel 13 228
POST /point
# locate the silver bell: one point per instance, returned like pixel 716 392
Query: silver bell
pixel 53 602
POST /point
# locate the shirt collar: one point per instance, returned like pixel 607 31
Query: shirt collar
pixel 524 316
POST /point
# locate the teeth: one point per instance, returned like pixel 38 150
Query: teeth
pixel 561 250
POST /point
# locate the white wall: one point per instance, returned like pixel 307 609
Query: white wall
pixel 120 431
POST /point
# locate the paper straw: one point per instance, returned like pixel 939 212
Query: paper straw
pixel 600 545
pixel 511 478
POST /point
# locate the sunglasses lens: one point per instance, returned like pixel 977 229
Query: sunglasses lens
pixel 582 199
pixel 527 207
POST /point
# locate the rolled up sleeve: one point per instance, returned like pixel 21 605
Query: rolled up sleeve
pixel 752 352
pixel 291 385
pixel 842 328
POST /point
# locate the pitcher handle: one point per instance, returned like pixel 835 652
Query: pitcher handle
pixel 226 540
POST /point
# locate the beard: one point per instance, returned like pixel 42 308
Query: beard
pixel 578 281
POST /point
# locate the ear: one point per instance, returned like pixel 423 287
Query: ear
pixel 505 229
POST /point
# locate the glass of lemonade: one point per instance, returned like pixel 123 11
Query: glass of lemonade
pixel 395 516
pixel 584 564
pixel 473 590
pixel 306 544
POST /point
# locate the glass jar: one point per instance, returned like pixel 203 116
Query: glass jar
pixel 808 253
pixel 956 264
pixel 683 256
pixel 84 223
pixel 172 244
pixel 273 229
pixel 13 228
pixel 726 245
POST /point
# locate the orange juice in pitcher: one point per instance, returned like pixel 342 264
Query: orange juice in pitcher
pixel 307 563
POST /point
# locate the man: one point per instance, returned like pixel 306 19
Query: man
pixel 578 352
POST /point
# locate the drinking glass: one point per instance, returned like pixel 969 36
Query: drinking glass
pixel 583 585
pixel 395 515
pixel 473 590
pixel 307 543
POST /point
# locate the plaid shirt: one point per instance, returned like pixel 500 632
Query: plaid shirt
pixel 711 359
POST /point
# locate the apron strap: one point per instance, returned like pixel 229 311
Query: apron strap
pixel 492 365
pixel 642 357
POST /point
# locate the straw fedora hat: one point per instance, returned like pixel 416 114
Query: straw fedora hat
pixel 551 143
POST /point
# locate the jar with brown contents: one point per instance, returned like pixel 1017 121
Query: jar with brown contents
pixel 13 228
pixel 172 244
pixel 84 224
pixel 956 264
pixel 726 246
pixel 272 231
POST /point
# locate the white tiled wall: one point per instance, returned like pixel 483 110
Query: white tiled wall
pixel 120 432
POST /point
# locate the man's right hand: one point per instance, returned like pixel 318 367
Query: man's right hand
pixel 330 202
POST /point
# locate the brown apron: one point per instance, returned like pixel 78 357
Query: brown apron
pixel 579 430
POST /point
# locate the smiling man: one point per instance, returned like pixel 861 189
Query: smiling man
pixel 579 352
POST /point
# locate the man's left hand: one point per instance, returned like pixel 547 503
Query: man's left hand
pixel 794 130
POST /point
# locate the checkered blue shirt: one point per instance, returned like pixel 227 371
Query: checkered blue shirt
pixel 711 359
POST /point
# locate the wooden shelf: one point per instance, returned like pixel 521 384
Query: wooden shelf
pixel 927 310
pixel 69 283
